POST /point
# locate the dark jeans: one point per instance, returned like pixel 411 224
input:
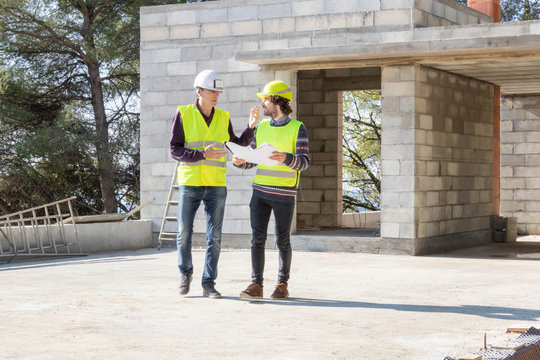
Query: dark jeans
pixel 260 210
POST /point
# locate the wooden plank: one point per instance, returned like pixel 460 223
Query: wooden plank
pixel 470 357
pixel 520 330
pixel 96 218
pixel 508 347
pixel 106 217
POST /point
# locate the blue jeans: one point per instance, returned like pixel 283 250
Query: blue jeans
pixel 189 199
pixel 260 210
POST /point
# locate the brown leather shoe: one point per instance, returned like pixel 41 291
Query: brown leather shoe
pixel 280 292
pixel 253 291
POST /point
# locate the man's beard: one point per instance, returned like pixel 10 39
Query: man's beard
pixel 267 112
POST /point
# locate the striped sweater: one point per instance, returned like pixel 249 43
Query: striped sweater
pixel 298 162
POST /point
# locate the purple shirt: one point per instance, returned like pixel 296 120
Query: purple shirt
pixel 178 139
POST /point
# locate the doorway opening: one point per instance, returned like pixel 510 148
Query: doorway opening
pixel 320 108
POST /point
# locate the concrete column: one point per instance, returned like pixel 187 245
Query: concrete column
pixel 398 152
pixel 493 9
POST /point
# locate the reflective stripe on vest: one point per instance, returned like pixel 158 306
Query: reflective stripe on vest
pixel 198 135
pixel 283 138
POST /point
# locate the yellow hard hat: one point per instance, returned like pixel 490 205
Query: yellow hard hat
pixel 276 87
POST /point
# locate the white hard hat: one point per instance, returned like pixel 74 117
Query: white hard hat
pixel 208 79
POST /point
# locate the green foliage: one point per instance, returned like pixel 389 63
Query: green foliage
pixel 361 150
pixel 520 10
pixel 517 10
pixel 50 129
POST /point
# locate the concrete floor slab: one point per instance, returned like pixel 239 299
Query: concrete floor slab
pixel 343 306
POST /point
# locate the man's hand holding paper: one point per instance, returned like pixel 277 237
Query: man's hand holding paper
pixel 264 154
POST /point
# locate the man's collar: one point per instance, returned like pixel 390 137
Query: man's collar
pixel 282 120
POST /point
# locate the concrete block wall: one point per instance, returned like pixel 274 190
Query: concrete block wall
pixel 319 203
pixel 431 13
pixel 520 161
pixel 178 41
pixel 437 157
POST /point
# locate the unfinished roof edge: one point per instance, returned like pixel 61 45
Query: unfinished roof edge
pixel 504 39
pixel 367 5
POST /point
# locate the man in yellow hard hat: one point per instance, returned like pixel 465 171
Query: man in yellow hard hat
pixel 199 132
pixel 275 187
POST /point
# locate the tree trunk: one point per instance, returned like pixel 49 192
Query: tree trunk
pixel 104 156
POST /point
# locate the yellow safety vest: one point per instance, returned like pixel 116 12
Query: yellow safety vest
pixel 283 138
pixel 198 135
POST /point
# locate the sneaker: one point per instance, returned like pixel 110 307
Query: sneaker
pixel 210 291
pixel 184 285
pixel 280 292
pixel 253 291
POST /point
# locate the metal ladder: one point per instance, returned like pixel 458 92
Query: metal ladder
pixel 168 218
pixel 39 232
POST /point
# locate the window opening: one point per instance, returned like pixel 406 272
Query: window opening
pixel 361 171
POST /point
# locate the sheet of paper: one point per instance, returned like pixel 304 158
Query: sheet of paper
pixel 259 155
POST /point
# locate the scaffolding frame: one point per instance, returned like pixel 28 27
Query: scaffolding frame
pixel 39 232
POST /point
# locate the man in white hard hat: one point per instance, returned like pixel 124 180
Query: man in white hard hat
pixel 275 187
pixel 198 134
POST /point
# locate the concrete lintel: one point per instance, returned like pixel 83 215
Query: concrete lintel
pixel 413 45
pixel 395 53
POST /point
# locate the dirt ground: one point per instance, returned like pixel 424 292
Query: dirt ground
pixel 343 306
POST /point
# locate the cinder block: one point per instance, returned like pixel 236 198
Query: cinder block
pixel 308 207
pixel 153 20
pixel 279 10
pixel 398 183
pixel 219 65
pixel 325 183
pixel 389 229
pixel 215 30
pixel 233 66
pixel 218 15
pixel 196 53
pixel 531 183
pixel 393 17
pixel 312 23
pixel 310 97
pixel 153 98
pixel 273 44
pixel 241 13
pixel 179 32
pixel 451 14
pixel 333 7
pixel 308 7
pixel 338 21
pixel 253 27
pixel 281 26
pixel 183 17
pixel 182 68
pixel 330 210
pixel 157 33
pixel 402 88
pixel 407 230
